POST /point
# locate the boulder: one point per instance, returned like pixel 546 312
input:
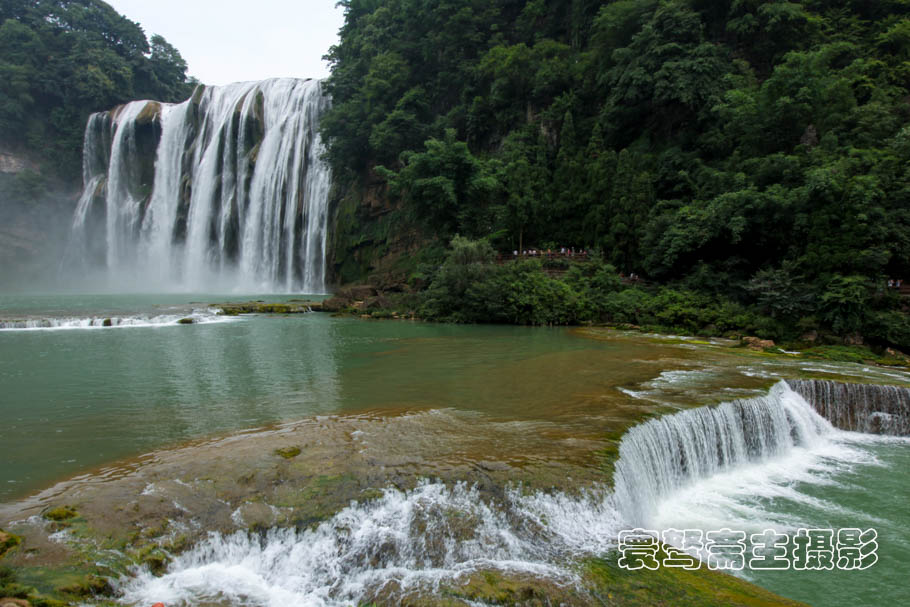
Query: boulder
pixel 376 303
pixel 756 343
pixel 896 354
pixel 357 292
pixel 336 304
pixel 809 337
pixel 853 339
pixel 389 281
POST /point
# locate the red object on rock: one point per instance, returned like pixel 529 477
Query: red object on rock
pixel 158 605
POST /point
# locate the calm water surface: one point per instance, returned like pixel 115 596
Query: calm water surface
pixel 73 399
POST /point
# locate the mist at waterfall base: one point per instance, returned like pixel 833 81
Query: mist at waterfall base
pixel 224 193
pixel 34 229
pixel 768 462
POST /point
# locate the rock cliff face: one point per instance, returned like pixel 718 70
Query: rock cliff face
pixel 226 188
pixel 34 220
pixel 370 239
pixel 14 163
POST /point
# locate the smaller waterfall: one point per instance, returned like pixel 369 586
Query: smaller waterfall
pixel 859 407
pixel 664 454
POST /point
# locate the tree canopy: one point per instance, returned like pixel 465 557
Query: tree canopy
pixel 61 60
pixel 723 145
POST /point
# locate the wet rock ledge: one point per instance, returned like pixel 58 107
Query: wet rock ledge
pixel 293 306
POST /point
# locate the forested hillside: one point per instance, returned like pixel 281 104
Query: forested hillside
pixel 61 60
pixel 756 151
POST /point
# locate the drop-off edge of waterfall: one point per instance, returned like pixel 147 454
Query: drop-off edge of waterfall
pixel 226 191
pixel 667 454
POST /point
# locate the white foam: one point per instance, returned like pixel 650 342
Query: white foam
pixel 743 498
pixel 114 322
pixel 400 543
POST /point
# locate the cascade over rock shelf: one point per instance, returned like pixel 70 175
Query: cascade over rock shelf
pixel 227 189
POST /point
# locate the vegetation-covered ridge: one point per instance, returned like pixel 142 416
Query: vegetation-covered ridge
pixel 474 286
pixel 61 60
pixel 752 154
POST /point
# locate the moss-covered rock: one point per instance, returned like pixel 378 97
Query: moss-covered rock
pixel 153 557
pixel 261 307
pixel 15 594
pixel 672 586
pixel 500 588
pixel 288 452
pixel 149 114
pixel 89 586
pixel 8 541
pixel 61 513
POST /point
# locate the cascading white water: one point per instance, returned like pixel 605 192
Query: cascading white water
pixel 663 455
pixel 196 317
pixel 863 408
pixel 415 541
pixel 227 190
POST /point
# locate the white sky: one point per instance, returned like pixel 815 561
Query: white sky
pixel 227 41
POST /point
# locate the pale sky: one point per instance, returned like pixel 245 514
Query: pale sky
pixel 227 41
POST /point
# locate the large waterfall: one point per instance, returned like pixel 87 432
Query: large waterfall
pixel 226 190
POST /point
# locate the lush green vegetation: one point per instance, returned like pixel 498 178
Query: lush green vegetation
pixel 61 60
pixel 751 156
pixel 472 286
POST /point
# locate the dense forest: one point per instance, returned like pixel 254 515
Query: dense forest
pixel 746 155
pixel 61 60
